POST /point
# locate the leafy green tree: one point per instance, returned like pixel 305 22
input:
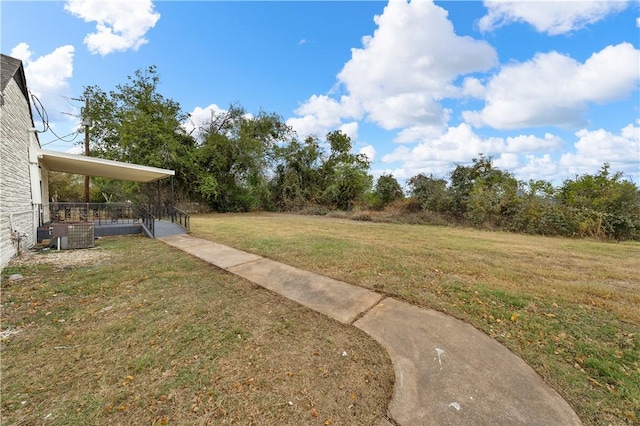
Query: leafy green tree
pixel 297 180
pixel 235 158
pixel 538 212
pixel 137 124
pixel 345 175
pixel 66 187
pixel 431 192
pixel 609 205
pixel 387 190
pixel 483 193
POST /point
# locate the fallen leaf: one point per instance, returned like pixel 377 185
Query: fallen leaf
pixel 595 382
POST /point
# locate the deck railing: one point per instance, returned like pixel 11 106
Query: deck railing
pixel 118 213
pixel 175 215
pixel 182 219
pixel 99 213
pixel 148 222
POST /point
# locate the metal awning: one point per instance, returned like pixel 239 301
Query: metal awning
pixel 92 166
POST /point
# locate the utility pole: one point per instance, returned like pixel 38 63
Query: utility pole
pixel 86 121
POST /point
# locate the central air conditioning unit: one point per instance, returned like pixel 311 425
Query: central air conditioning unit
pixel 72 235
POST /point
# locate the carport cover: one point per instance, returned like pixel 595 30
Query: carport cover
pixel 92 166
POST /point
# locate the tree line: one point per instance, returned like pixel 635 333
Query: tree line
pixel 239 162
pixel 601 205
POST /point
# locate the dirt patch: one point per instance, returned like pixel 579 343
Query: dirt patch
pixel 62 258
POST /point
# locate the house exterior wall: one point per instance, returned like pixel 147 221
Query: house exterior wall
pixel 18 216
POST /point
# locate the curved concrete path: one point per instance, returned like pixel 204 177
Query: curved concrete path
pixel 447 372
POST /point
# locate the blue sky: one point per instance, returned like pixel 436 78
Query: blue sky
pixel 549 89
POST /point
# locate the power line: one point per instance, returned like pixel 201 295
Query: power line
pixel 62 138
pixel 41 112
pixel 68 99
pixel 44 117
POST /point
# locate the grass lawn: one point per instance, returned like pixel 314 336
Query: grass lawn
pixel 137 332
pixel 570 308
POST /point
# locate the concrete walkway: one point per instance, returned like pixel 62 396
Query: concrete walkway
pixel 167 229
pixel 447 372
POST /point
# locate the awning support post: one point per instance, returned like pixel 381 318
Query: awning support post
pixel 173 206
pixel 159 203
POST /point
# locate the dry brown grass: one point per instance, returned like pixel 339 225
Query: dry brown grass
pixel 567 307
pixel 145 334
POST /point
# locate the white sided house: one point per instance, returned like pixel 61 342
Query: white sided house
pixel 24 167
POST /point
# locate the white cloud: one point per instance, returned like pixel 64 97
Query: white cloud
pixel 48 77
pixel 555 89
pixel 397 111
pixel 321 114
pixel 507 161
pixel 419 133
pixel 473 88
pixel 22 51
pixel 407 66
pixel 369 151
pixel 457 144
pixel 200 118
pixel 531 143
pixel 543 167
pixel 120 24
pixel 551 17
pixel 402 71
pixel 350 129
pixel 596 147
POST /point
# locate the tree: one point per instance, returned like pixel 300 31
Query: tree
pixel 65 187
pixel 137 124
pixel 388 189
pixel 344 174
pixel 609 204
pixel 297 180
pixel 236 155
pixel 431 192
pixel 483 193
pixel 538 212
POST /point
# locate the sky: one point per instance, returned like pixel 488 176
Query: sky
pixel 549 89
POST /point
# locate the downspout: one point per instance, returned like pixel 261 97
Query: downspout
pixel 173 206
